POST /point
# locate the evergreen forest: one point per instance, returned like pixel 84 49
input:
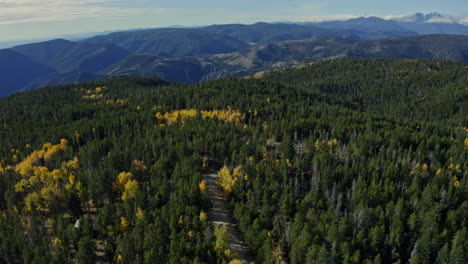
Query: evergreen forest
pixel 337 161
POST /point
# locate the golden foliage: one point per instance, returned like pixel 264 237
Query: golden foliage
pixel 228 253
pixel 139 213
pixel 455 168
pixel 139 165
pixel 226 179
pixel 332 144
pixel 126 185
pixel 41 186
pixel 39 158
pixel 124 224
pixel 33 202
pixel 253 112
pixel 94 94
pixel 235 261
pixel 176 116
pixel 121 180
pixel 131 190
pixel 425 167
pixel 57 242
pixel 228 115
pixel 191 234
pixel 203 217
pixel 222 238
pixel 456 182
pixel 118 101
pixel 202 186
pixel 466 144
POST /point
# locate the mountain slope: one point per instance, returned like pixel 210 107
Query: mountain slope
pixel 437 28
pixel 173 41
pixel 67 56
pixel 83 61
pixel 64 78
pixel 367 24
pixel 263 57
pixel 16 71
pixel 263 33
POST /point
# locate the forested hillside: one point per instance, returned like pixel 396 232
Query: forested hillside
pixel 288 53
pixel 17 71
pixel 172 41
pixel 207 53
pixel 339 161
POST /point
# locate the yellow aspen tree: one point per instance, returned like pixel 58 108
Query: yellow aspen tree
pixel 121 180
pixel 140 214
pixel 202 186
pixel 203 219
pixel 227 180
pixel 222 238
pixel 191 234
pixel 124 224
pixel 131 189
pixel 456 182
pixel 45 189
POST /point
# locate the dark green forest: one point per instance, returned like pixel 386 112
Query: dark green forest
pixel 338 161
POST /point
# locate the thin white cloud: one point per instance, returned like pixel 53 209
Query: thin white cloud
pixel 28 11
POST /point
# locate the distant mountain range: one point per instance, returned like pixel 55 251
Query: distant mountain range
pixel 203 53
pixel 433 23
pixel 288 53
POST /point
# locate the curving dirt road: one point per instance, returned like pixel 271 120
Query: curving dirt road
pixel 220 214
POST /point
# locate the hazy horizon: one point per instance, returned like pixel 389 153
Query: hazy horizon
pixel 36 19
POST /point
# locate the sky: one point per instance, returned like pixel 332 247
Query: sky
pixel 32 19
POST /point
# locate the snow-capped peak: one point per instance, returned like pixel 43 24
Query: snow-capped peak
pixel 438 18
pixel 429 18
pixel 464 21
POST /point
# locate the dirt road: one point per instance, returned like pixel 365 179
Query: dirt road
pixel 220 213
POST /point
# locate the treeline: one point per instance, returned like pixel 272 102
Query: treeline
pixel 346 161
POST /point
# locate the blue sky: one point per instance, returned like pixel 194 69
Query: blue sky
pixel 29 19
